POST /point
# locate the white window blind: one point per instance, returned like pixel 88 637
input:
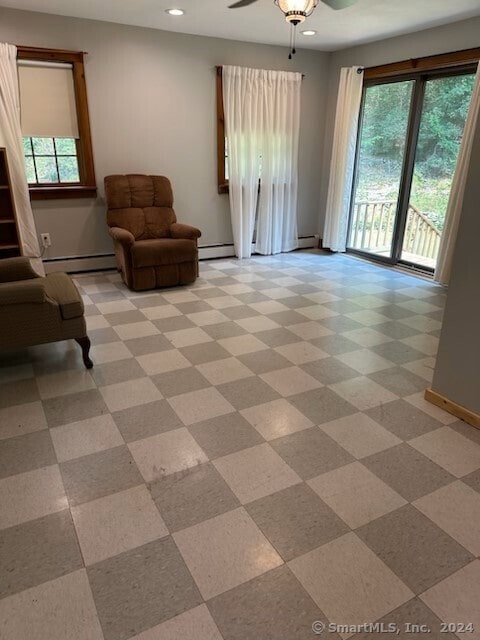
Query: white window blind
pixel 47 100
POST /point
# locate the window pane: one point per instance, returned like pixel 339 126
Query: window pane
pixel 68 168
pixel 46 170
pixel 65 146
pixel 27 146
pixel 30 170
pixel 43 146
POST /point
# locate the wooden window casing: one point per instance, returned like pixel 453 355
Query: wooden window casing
pixel 87 187
pixel 222 181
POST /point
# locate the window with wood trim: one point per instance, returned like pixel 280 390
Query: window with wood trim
pixel 55 123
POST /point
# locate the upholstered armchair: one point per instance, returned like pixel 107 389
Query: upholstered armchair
pixel 151 248
pixel 35 310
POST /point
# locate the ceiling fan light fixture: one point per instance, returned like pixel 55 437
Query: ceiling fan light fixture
pixel 175 12
pixel 296 11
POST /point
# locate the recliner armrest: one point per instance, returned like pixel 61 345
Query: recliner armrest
pixel 122 235
pixel 184 231
pixel 61 290
pixel 23 292
pixel 14 269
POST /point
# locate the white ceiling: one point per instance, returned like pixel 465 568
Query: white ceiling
pixel 366 21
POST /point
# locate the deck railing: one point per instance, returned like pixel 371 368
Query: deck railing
pixel 373 225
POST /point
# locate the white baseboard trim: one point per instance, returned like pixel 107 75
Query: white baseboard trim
pixel 77 264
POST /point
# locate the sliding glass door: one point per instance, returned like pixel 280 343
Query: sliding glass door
pixel 408 143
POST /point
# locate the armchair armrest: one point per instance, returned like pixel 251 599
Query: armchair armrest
pixel 28 291
pixel 184 231
pixel 122 236
pixel 12 269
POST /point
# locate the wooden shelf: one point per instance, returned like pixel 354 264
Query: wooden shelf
pixel 9 238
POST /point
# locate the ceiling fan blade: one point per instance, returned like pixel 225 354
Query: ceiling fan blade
pixel 241 3
pixel 339 4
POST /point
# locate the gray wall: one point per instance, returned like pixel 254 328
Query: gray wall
pixel 457 373
pixel 152 109
pixel 453 37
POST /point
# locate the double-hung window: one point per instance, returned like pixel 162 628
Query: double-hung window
pixel 55 124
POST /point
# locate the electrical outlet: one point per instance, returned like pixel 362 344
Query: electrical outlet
pixel 46 241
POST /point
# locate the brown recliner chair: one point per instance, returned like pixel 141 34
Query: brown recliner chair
pixel 151 249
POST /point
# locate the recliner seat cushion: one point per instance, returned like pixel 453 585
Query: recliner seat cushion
pixel 162 251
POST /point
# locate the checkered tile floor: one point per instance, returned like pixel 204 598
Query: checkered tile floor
pixel 249 455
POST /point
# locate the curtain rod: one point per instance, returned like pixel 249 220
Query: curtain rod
pixel 219 67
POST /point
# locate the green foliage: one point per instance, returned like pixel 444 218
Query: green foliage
pixel 382 145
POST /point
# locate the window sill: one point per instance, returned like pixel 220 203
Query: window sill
pixel 62 193
pixel 223 188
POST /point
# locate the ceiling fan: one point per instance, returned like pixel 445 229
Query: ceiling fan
pixel 296 11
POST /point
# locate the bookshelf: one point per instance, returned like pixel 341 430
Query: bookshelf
pixel 9 241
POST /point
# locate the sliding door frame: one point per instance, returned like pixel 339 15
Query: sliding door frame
pixel 420 79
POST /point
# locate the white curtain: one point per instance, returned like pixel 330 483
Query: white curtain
pixel 11 139
pixel 262 122
pixel 343 158
pixel 455 201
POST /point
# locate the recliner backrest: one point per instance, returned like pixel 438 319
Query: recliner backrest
pixel 141 204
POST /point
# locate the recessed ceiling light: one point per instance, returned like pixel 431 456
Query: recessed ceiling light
pixel 309 32
pixel 175 12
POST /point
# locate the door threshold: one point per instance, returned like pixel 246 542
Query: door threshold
pixel 406 269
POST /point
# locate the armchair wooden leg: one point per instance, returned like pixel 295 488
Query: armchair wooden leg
pixel 85 345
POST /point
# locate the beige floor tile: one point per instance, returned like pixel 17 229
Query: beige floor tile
pixel 197 406
pixel 96 322
pixel 256 472
pixel 225 551
pixel 240 345
pixel 423 342
pixel 166 453
pixel 456 598
pixel 367 337
pixel 309 330
pixel 301 352
pixel 317 312
pixel 204 318
pixel 456 509
pixel 136 330
pixel 276 418
pixel 423 368
pixel 21 419
pixel 196 623
pixel 109 352
pixel 268 306
pixel 31 495
pixel 257 323
pixel 360 435
pixel 364 361
pixel 187 337
pixel 121 521
pixel 179 296
pixel 161 311
pixel 349 583
pixel 130 394
pixel 224 370
pixel 363 393
pixel 162 362
pixel 61 384
pixel 356 494
pixel 115 306
pixel 61 609
pixel 452 451
pixel 289 381
pixel 87 436
pixel 418 400
pixel 223 302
